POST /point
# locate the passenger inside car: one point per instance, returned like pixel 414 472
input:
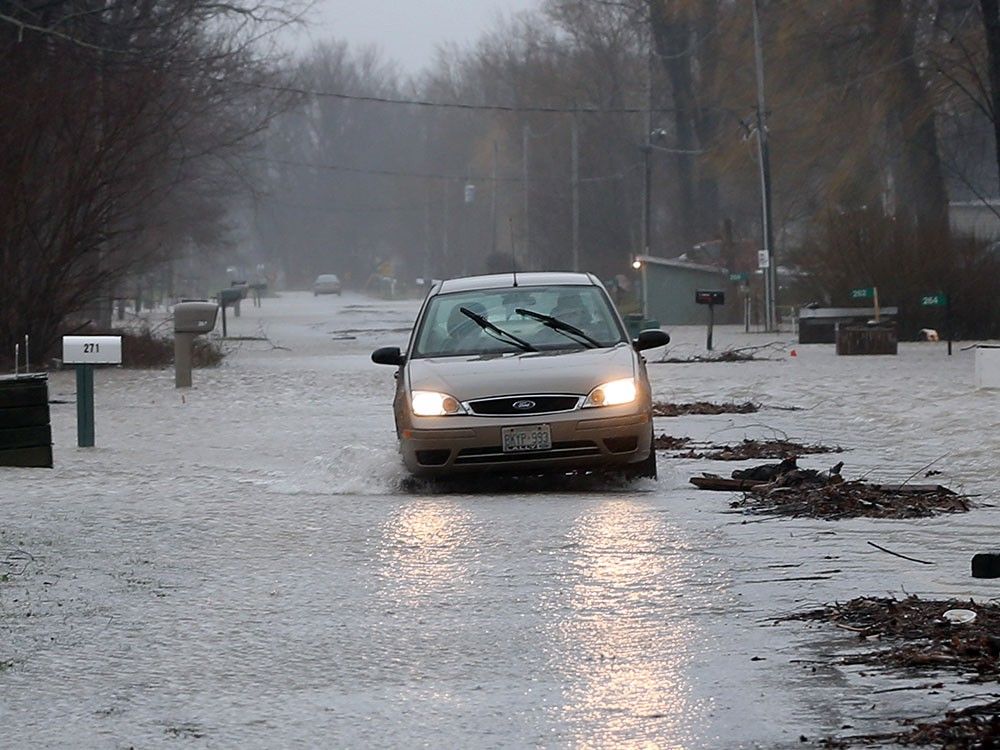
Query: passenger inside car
pixel 570 309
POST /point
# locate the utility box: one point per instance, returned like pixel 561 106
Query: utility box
pixel 195 317
pixel 818 325
pixel 859 340
pixel 988 367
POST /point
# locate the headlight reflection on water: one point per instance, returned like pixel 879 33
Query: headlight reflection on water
pixel 623 654
pixel 426 548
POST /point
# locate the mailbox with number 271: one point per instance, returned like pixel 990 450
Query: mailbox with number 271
pixel 85 352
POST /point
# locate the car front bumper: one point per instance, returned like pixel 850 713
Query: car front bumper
pixel 581 439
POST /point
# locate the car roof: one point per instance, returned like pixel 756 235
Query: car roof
pixel 327 277
pixel 506 280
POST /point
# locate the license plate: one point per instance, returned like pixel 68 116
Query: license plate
pixel 534 437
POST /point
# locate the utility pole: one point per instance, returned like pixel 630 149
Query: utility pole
pixel 526 252
pixel 575 146
pixel 647 147
pixel 493 201
pixel 445 268
pixel 770 272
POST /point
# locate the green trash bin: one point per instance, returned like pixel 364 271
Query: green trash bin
pixel 633 324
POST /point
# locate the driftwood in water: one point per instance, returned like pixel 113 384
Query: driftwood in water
pixel 715 482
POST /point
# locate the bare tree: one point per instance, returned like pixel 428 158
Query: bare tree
pixel 991 25
pixel 128 121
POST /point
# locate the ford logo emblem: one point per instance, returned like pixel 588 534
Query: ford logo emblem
pixel 524 404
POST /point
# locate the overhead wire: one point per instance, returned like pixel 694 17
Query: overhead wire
pixel 439 176
pixel 469 106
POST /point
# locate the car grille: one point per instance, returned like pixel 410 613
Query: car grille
pixel 509 405
pixel 495 454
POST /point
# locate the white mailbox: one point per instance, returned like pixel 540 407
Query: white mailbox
pixel 92 350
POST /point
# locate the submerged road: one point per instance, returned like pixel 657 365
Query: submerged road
pixel 242 564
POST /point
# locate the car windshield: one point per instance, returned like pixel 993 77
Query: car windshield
pixel 446 331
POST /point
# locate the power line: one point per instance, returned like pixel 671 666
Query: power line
pixel 334 208
pixel 530 108
pixel 438 176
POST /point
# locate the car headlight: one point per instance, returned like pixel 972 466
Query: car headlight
pixel 434 404
pixel 614 393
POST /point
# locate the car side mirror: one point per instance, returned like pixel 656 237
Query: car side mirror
pixel 388 355
pixel 650 339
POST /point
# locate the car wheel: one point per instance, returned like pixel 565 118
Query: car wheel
pixel 645 469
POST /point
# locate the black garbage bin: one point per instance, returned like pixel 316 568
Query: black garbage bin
pixel 25 433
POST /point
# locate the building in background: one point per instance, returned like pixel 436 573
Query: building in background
pixel 977 219
pixel 669 286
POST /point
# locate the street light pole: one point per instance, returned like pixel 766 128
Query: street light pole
pixel 764 158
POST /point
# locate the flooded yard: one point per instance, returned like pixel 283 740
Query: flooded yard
pixel 243 564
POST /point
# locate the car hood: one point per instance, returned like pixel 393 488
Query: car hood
pixel 575 372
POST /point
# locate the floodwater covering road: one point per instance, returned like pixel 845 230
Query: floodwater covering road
pixel 242 565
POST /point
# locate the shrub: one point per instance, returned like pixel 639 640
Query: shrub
pixel 866 247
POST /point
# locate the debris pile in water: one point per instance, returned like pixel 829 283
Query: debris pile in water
pixel 785 489
pixel 668 409
pixel 743 451
pixel 925 635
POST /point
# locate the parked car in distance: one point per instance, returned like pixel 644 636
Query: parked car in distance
pixel 326 283
pixel 523 374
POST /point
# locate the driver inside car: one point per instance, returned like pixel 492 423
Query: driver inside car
pixel 463 332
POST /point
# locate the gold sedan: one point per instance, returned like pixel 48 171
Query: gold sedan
pixel 523 374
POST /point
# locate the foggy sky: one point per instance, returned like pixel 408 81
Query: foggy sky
pixel 405 31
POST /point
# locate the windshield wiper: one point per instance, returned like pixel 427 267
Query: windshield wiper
pixel 560 326
pixel 487 326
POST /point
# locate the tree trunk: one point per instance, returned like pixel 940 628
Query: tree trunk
pixel 911 134
pixel 670 37
pixel 678 42
pixel 991 23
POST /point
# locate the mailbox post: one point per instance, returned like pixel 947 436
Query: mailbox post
pixel 710 298
pixel 940 300
pixel 243 288
pixel 85 352
pixel 229 298
pixel 190 319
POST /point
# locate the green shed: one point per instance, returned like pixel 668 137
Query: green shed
pixel 669 286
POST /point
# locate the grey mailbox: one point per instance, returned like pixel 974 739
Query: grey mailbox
pixel 195 317
pixel 190 320
pixel 231 296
